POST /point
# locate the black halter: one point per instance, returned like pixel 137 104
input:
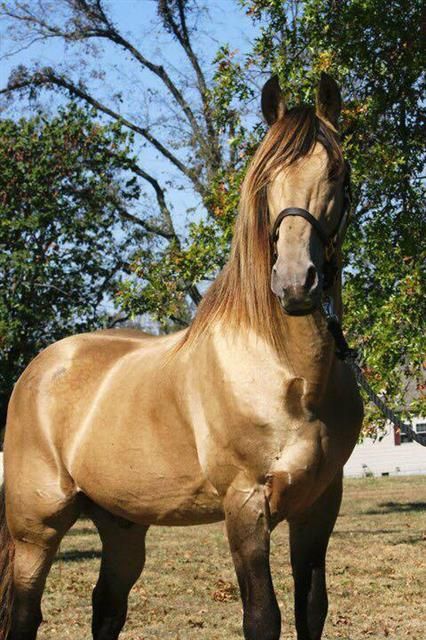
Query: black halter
pixel 330 242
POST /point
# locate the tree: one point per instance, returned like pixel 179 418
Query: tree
pixel 66 231
pixel 376 57
pixel 87 24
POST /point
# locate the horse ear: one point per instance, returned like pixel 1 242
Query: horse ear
pixel 273 103
pixel 329 100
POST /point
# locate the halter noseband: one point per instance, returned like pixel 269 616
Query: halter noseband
pixel 329 242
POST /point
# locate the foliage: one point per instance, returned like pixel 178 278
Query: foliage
pixel 62 240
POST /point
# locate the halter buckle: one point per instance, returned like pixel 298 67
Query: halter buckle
pixel 328 308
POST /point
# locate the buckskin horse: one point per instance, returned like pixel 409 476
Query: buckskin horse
pixel 247 416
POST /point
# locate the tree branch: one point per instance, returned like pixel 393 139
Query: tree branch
pixel 161 73
pixel 118 319
pixel 182 36
pixel 169 234
pixel 100 26
pixel 151 228
pixel 159 192
pixel 46 77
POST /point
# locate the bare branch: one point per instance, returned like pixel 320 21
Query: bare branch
pixel 104 28
pixel 159 192
pixel 24 47
pixel 102 288
pixel 46 77
pixel 161 73
pixel 182 36
pixel 118 319
pixel 169 233
pixel 151 228
pixel 180 322
pixel 195 295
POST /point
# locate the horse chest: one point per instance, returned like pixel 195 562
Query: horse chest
pixel 255 416
pixel 247 424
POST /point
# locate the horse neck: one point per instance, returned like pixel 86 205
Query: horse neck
pixel 309 349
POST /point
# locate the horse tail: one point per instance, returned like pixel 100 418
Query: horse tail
pixel 7 553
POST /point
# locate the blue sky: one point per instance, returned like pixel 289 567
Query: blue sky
pixel 225 22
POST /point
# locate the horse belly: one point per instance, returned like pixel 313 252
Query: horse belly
pixel 137 458
pixel 150 493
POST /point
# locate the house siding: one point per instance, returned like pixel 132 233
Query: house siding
pixel 384 457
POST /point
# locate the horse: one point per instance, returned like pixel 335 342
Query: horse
pixel 246 416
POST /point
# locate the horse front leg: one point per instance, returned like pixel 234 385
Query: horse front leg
pixel 247 524
pixel 309 536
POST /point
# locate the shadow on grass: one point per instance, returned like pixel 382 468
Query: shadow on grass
pixel 82 531
pixel 77 556
pixel 417 539
pixel 369 532
pixel 396 507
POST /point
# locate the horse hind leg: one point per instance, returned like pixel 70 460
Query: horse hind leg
pixel 31 567
pixel 123 559
pixel 7 552
pixel 35 546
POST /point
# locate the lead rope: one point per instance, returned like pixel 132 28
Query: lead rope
pixel 348 355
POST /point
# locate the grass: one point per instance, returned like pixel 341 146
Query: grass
pixel 376 575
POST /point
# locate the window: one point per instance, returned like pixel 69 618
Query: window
pixel 405 437
pixel 420 427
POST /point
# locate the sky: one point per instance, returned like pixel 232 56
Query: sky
pixel 225 22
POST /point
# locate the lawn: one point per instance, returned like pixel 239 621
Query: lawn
pixel 376 575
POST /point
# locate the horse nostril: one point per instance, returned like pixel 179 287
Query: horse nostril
pixel 311 278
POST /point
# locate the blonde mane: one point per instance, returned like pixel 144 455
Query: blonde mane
pixel 241 295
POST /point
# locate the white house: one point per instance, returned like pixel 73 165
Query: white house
pixel 393 455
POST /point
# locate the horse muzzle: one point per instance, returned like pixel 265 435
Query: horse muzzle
pixel 299 295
